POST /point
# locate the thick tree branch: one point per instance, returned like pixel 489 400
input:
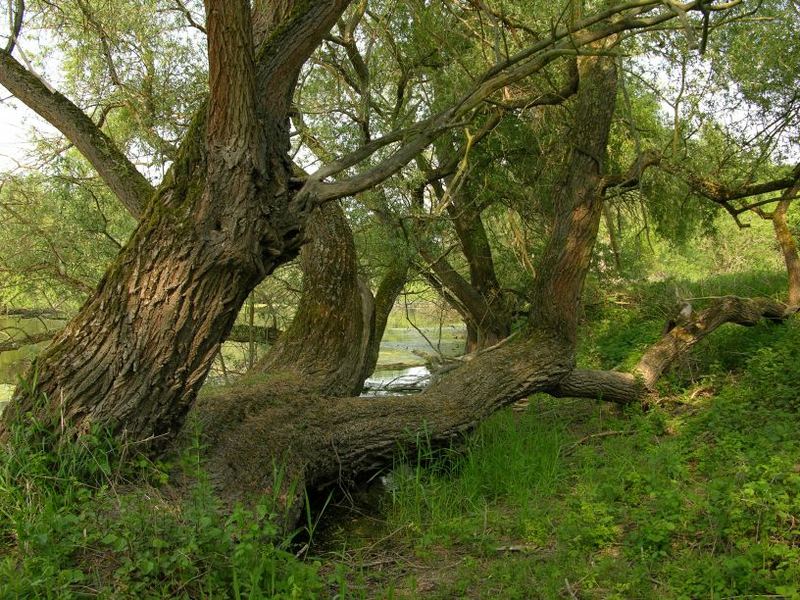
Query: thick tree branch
pixel 294 29
pixel 239 333
pixel 611 386
pixel 130 186
pixel 678 341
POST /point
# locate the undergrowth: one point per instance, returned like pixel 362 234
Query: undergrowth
pixel 76 521
pixel 697 497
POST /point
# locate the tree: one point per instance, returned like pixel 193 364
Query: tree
pixel 232 208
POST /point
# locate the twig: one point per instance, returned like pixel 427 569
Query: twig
pixel 570 590
pixel 585 439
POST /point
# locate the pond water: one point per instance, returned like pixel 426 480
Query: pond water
pixel 14 364
pixel 401 364
pixel 404 350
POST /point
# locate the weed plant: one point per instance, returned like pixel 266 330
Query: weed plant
pixel 77 521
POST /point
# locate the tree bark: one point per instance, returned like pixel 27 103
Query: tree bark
pixel 787 243
pixel 578 203
pixel 139 349
pixel 326 347
pixel 679 340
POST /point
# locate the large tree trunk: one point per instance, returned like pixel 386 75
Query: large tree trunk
pixel 249 428
pixel 578 204
pixel 139 349
pixel 326 347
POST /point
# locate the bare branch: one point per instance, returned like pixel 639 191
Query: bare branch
pixel 15 16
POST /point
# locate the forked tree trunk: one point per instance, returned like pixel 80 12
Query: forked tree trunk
pixel 139 349
pixel 249 428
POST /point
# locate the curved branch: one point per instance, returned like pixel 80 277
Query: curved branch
pixel 293 31
pixel 679 340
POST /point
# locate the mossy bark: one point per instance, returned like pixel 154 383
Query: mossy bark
pixel 326 346
pixel 134 357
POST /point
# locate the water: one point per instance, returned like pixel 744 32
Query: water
pixel 385 382
pixel 15 364
pixel 404 351
pixel 410 347
pixel 401 365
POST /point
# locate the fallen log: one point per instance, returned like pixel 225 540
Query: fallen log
pixel 680 339
pixel 33 313
pixel 26 340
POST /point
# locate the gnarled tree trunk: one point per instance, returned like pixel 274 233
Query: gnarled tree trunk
pixel 249 428
pixel 225 217
pixel 326 347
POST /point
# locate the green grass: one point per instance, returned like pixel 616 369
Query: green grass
pixel 698 497
pixel 72 526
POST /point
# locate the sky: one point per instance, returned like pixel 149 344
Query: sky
pixel 16 123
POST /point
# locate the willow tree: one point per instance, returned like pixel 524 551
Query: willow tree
pixel 231 209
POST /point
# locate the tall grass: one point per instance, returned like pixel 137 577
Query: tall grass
pixel 75 521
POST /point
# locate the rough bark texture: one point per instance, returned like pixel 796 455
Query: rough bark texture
pixel 578 203
pixel 326 347
pixel 138 351
pixel 787 243
pixel 321 440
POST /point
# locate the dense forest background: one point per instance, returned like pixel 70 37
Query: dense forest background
pixel 229 218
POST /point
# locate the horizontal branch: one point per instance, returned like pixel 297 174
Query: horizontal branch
pixel 240 333
pixel 32 313
pixel 27 339
pixel 680 339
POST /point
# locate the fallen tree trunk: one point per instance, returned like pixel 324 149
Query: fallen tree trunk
pixel 320 440
pixel 679 340
pixel 33 313
pixel 26 340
